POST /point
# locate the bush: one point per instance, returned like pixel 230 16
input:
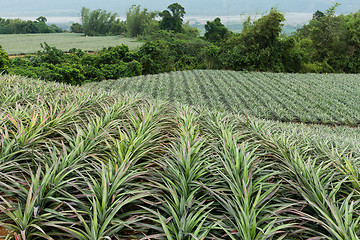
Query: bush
pixel 112 55
pixel 134 68
pixel 4 61
pixel 318 67
pixel 50 54
pixel 92 73
pixel 43 72
pixel 113 71
pixel 70 74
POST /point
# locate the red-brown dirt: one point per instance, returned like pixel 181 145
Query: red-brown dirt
pixel 3 233
pixel 14 56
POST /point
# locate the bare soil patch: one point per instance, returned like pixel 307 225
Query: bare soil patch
pixel 3 233
pixel 14 56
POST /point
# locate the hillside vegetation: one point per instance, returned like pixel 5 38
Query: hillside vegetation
pixel 329 43
pixel 84 163
pixel 308 98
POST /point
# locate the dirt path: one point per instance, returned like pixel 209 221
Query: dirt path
pixel 3 233
pixel 14 56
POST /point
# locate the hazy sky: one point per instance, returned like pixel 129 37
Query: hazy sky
pixel 33 8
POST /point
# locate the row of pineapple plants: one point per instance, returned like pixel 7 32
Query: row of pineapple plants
pixel 309 98
pixel 79 163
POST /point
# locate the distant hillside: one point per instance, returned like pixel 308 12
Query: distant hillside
pixel 199 7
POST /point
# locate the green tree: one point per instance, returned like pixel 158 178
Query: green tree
pixel 318 15
pixel 41 19
pixel 215 31
pixel 138 20
pixel 353 33
pixel 190 31
pixel 210 54
pixel 353 42
pixel 41 25
pixel 258 47
pixel 42 28
pixel 97 22
pixel 325 41
pixel 76 28
pixel 172 21
pixel 118 27
pixel 264 31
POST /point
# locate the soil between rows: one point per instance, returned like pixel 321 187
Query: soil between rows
pixel 3 233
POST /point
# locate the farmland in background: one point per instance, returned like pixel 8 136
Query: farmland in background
pixel 307 98
pixel 15 44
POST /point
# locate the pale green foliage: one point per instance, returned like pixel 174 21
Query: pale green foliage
pixel 96 22
pixel 138 20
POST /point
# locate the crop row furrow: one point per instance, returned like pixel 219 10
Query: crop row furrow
pixel 302 105
pixel 318 97
pixel 285 110
pixel 237 100
pixel 217 97
pixel 260 103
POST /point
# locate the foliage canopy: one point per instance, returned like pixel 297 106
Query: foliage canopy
pixel 173 19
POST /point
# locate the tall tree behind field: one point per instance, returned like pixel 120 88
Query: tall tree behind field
pixel 215 31
pixel 138 20
pixel 172 21
pixel 97 22
pixel 353 37
pixel 260 47
pixel 329 42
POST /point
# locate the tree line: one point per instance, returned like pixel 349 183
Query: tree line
pixel 327 43
pixel 138 21
pixel 18 26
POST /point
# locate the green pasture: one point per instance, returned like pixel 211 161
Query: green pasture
pixel 15 44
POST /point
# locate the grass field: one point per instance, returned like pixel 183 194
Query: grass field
pixel 15 44
pixel 307 98
pixel 85 163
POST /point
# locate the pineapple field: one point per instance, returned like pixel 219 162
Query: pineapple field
pixel 308 98
pixel 184 155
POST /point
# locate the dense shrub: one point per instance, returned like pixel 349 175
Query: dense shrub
pixel 76 66
pixel 113 71
pixel 112 55
pixel 4 61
